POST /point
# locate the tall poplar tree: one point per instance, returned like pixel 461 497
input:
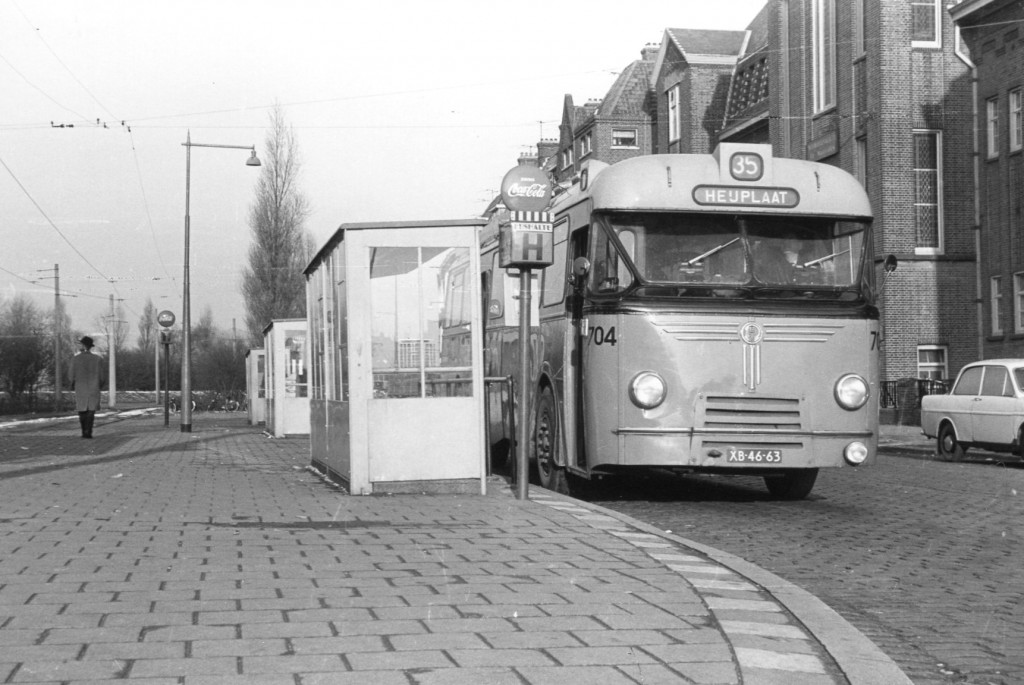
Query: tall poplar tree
pixel 272 283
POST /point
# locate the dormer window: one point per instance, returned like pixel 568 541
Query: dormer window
pixel 586 144
pixel 624 137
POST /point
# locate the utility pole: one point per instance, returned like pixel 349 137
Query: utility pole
pixel 156 359
pixel 111 353
pixel 57 322
pixel 58 392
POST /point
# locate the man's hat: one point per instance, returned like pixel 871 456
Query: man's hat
pixel 86 340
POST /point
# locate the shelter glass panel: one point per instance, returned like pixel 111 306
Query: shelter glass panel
pixel 420 299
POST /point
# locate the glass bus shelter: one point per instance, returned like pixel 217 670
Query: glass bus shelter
pixel 287 387
pixel 396 383
pixel 256 386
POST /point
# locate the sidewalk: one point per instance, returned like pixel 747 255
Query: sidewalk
pixel 218 557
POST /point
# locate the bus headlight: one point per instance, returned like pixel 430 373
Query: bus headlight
pixel 852 391
pixel 647 390
pixel 855 453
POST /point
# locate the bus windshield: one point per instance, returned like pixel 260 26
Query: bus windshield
pixel 759 255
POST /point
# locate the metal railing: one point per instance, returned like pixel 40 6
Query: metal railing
pixel 906 393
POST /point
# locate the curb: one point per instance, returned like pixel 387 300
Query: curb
pixel 860 660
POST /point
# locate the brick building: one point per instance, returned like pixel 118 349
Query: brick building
pixel 879 88
pixel 991 30
pixel 618 126
pixel 692 76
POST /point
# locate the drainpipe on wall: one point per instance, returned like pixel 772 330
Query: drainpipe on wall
pixel 976 156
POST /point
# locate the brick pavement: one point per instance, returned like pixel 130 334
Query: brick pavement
pixel 219 557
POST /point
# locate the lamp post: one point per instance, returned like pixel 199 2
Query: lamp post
pixel 186 306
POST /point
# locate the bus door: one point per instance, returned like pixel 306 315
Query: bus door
pixel 575 340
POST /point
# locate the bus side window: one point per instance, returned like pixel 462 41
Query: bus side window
pixel 553 288
pixel 496 303
pixel 609 274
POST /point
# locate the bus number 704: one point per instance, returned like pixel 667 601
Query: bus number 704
pixel 600 336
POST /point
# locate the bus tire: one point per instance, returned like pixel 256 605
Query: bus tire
pixel 791 485
pixel 546 439
pixel 947 446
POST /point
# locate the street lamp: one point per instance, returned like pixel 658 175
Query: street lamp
pixel 186 307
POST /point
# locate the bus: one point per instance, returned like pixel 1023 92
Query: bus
pixel 703 313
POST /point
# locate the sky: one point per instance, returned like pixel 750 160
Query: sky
pixel 401 110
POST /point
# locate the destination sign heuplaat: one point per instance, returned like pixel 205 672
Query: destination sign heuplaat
pixel 746 196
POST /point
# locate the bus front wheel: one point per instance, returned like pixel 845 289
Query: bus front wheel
pixel 546 439
pixel 791 485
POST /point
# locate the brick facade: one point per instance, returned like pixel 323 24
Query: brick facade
pixel 885 90
pixel 759 85
pixel 992 33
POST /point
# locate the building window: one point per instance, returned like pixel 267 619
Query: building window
pixel 585 145
pixel 624 137
pixel 928 192
pixel 824 40
pixel 673 114
pixel 1016 130
pixel 992 127
pixel 1018 303
pixel 931 362
pixel 995 300
pixel 926 23
pixel 567 157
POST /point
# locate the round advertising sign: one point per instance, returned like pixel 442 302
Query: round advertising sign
pixel 165 318
pixel 526 189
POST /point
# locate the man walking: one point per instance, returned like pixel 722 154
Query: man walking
pixel 86 375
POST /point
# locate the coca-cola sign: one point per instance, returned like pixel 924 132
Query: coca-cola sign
pixel 526 189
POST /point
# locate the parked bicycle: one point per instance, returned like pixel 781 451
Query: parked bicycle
pixel 213 401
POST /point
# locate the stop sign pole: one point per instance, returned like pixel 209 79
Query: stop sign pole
pixel 166 320
pixel 525 241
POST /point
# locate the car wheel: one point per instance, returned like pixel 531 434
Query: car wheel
pixel 947 446
pixel 792 485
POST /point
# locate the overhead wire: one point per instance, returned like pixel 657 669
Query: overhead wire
pixel 138 171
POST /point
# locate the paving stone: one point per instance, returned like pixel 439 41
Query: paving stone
pixel 216 557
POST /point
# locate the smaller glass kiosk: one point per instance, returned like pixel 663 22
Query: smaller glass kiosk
pixel 397 377
pixel 287 387
pixel 256 386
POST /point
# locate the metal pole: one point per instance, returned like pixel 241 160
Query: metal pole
pixel 156 362
pixel 112 351
pixel 167 381
pixel 186 305
pixel 186 309
pixel 522 452
pixel 57 389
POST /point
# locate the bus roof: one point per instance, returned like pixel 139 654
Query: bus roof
pixel 736 178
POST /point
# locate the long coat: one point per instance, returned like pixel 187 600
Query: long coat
pixel 85 376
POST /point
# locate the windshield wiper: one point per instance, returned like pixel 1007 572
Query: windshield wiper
pixel 711 252
pixel 819 260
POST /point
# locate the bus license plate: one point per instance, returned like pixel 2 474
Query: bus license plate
pixel 755 456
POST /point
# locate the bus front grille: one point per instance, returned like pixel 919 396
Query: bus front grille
pixel 746 413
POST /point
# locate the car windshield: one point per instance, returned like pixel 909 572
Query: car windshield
pixel 754 254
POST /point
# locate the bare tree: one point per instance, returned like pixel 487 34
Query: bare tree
pixel 272 283
pixel 114 327
pixel 25 347
pixel 147 326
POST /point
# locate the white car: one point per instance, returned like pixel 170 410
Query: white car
pixel 984 409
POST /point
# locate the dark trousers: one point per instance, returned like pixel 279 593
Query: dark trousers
pixel 86 419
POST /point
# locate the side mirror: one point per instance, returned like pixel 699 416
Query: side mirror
pixel 580 267
pixel 889 265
